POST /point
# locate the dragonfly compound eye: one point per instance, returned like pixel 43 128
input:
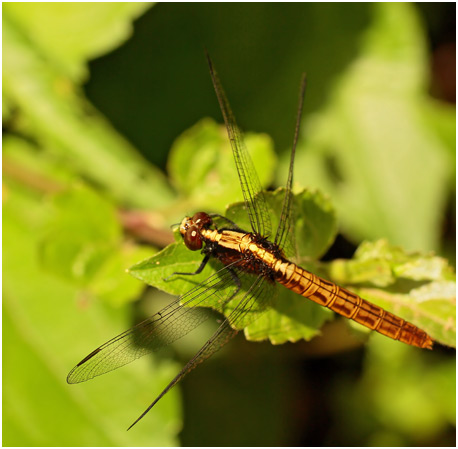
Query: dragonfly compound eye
pixel 192 238
pixel 201 219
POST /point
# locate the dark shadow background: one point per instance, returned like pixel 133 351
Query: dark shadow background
pixel 157 85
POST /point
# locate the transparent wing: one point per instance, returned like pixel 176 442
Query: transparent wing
pixel 171 323
pixel 287 229
pixel 249 181
pixel 253 303
pixel 284 236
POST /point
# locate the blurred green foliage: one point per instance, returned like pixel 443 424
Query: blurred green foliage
pixel 55 114
pixel 397 402
pixel 377 144
pixel 373 149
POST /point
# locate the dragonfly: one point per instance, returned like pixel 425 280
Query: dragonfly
pixel 252 264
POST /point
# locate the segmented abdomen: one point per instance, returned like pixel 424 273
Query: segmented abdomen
pixel 351 306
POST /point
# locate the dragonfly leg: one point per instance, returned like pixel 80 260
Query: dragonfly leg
pixel 199 270
pixel 237 284
pixel 236 280
pixel 232 272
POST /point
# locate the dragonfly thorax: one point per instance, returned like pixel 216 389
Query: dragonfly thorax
pixel 190 229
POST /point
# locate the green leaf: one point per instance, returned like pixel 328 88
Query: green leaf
pixel 83 243
pixel 374 149
pixel 69 34
pixel 213 182
pixel 174 258
pixel 82 231
pixel 420 288
pixel 288 317
pixel 111 283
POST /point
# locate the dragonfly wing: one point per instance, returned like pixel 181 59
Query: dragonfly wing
pixel 252 305
pixel 171 323
pixel 219 339
pixel 286 231
pixel 249 181
pixel 284 237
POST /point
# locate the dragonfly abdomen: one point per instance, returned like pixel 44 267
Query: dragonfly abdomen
pixel 350 305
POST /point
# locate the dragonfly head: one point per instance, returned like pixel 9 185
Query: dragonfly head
pixel 190 229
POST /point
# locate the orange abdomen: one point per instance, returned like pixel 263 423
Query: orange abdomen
pixel 351 306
